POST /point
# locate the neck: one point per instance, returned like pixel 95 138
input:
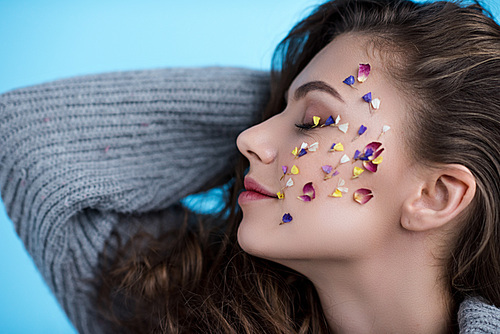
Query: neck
pixel 392 292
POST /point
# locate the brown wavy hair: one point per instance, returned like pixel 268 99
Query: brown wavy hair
pixel 198 280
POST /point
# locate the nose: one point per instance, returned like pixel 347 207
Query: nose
pixel 258 144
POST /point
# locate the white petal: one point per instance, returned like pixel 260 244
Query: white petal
pixel 344 159
pixel 341 182
pixel 337 120
pixel 313 147
pixel 385 128
pixel 303 146
pixel 375 104
pixel 289 183
pixel 343 189
pixel 344 127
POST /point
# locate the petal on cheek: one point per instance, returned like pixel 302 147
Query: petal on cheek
pixel 286 218
pixel 363 195
pixel 309 193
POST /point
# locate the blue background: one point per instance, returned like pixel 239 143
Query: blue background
pixel 47 40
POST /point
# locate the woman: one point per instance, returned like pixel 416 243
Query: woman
pixel 384 219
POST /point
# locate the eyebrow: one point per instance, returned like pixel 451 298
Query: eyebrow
pixel 317 86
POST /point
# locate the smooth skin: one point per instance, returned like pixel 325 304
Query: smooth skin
pixel 377 267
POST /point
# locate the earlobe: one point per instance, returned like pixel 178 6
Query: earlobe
pixel 442 195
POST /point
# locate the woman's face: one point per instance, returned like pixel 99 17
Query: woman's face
pixel 327 228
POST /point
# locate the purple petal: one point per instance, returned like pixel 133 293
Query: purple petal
pixel 335 173
pixel 329 121
pixel 349 80
pixel 356 154
pixel 327 169
pixel 368 154
pixel 367 97
pixel 361 130
pixel 363 72
pixel 302 152
pixel 309 190
pixel 370 166
pixel 363 195
pixel 305 198
pixel 284 169
pixel 287 218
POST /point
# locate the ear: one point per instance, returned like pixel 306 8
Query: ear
pixel 441 196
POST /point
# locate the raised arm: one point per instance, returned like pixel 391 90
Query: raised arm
pixel 77 152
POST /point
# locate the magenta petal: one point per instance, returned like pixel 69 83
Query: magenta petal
pixel 363 72
pixel 284 169
pixel 370 166
pixel 376 154
pixel 363 195
pixel 374 145
pixel 305 198
pixel 309 190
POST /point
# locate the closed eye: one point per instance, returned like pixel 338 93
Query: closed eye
pixel 305 126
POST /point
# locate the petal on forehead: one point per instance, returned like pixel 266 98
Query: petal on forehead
pixel 363 72
pixel 349 80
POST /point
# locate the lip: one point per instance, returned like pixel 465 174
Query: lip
pixel 254 191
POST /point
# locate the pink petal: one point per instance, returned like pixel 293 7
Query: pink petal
pixel 370 166
pixel 376 154
pixel 309 190
pixel 305 198
pixel 363 72
pixel 363 195
pixel 374 145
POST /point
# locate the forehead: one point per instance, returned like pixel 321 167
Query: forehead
pixel 339 59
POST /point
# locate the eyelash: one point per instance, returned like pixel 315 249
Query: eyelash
pixel 305 126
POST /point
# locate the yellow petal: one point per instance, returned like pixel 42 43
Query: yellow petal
pixel 357 171
pixel 280 195
pixel 295 151
pixel 294 170
pixel 316 120
pixel 336 193
pixel 377 160
pixel 339 147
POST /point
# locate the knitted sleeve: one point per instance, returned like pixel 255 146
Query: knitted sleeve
pixel 477 317
pixel 75 153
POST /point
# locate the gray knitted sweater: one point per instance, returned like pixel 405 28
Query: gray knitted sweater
pixel 76 155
